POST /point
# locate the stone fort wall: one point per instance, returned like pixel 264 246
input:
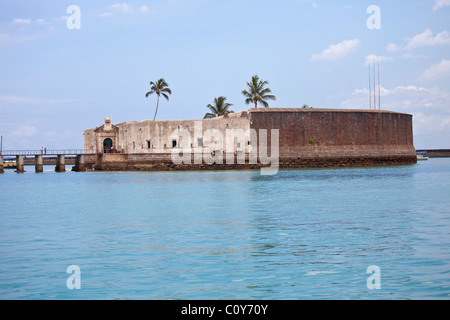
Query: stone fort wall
pixel 308 138
pixel 319 130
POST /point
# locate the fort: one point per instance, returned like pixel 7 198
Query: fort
pixel 305 138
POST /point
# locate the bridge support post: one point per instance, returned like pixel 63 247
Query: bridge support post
pixel 19 164
pixel 2 170
pixel 38 164
pixel 60 163
pixel 80 163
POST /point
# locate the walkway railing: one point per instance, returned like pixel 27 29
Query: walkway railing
pixel 45 152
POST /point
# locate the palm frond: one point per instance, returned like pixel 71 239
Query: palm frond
pixel 220 107
pixel 265 91
pixel 166 90
pixel 269 97
pixel 258 92
pixel 209 116
pixel 264 103
pixel 248 100
pixel 212 108
pixel 246 93
pixel 165 96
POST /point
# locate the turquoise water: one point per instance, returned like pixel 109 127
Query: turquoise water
pixel 301 234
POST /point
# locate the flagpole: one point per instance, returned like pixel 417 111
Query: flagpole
pixel 370 93
pixel 379 87
pixel 374 90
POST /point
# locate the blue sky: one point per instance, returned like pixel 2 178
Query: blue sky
pixel 55 82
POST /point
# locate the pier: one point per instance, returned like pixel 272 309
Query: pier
pixel 44 156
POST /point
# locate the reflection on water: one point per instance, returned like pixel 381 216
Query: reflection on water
pixel 300 234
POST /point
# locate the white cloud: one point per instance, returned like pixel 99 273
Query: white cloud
pixel 106 14
pixel 121 7
pixel 365 92
pixel 409 55
pixel 371 58
pixel 20 21
pixel 60 138
pixel 337 51
pixel 314 4
pixel 62 18
pixel 410 88
pixel 40 21
pixel 436 71
pixel 6 40
pixel 9 100
pixel 429 107
pixel 24 131
pixel 424 39
pixel 144 9
pixel 440 3
pixel 116 8
pixel 427 125
pixel 392 47
pixel 403 98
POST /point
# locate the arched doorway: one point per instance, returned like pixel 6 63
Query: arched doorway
pixel 107 145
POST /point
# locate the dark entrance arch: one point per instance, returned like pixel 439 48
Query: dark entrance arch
pixel 107 145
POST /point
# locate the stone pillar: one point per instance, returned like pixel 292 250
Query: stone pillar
pixel 80 163
pixel 60 163
pixel 2 170
pixel 19 163
pixel 38 163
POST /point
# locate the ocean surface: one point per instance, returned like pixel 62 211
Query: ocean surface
pixel 301 234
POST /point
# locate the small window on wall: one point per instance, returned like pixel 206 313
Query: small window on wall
pixel 149 144
pixel 174 143
pixel 200 142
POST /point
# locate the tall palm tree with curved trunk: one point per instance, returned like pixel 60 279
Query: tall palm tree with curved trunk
pixel 161 87
pixel 258 92
pixel 219 108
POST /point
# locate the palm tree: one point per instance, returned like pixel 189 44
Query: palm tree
pixel 258 92
pixel 160 88
pixel 219 108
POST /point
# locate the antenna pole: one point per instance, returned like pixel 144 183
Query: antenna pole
pixel 370 93
pixel 379 87
pixel 374 90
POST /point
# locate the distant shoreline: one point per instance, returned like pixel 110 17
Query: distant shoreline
pixel 435 153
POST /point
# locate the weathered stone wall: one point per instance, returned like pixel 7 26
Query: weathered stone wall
pixel 90 141
pixel 335 131
pixel 156 136
pixel 308 138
